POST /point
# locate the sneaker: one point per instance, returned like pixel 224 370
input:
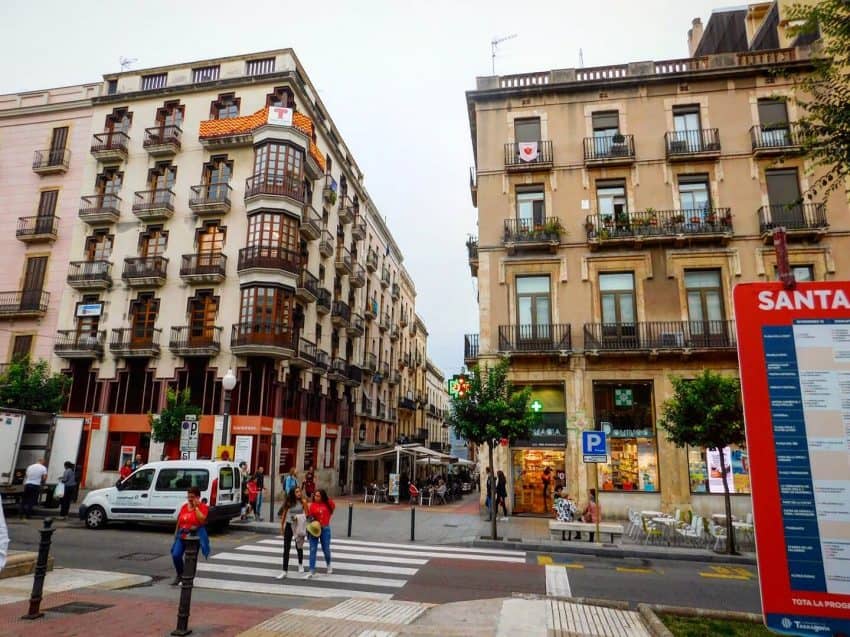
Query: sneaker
pixel 309 575
pixel 300 568
pixel 330 570
pixel 505 519
pixel 281 575
pixel 177 580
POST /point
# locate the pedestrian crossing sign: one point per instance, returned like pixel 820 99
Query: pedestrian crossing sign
pixel 623 397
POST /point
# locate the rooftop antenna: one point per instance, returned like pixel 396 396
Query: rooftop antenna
pixel 494 43
pixel 126 62
pixel 580 59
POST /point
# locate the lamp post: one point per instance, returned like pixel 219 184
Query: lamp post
pixel 227 384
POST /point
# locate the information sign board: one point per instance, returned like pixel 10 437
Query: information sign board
pixel 594 446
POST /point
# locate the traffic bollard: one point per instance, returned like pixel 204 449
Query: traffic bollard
pixel 412 523
pixel 40 570
pixel 350 513
pixel 190 564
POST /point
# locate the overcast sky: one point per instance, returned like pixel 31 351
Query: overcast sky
pixel 392 75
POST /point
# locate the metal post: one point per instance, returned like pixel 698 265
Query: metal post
pixel 413 524
pixel 40 570
pixel 596 495
pixel 272 477
pixel 225 437
pixel 190 561
pixel 350 514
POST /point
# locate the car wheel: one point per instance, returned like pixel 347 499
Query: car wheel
pixel 95 517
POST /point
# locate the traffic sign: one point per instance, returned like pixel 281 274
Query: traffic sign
pixel 189 433
pixel 793 358
pixel 594 446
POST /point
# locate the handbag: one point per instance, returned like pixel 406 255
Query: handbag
pixel 59 490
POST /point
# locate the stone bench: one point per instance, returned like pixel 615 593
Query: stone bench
pixel 606 528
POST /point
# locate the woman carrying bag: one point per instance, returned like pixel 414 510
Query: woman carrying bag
pixel 191 519
pixel 293 523
pixel 320 510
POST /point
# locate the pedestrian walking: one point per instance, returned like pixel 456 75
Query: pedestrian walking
pixel 320 509
pixel 34 478
pixel 126 470
pixel 191 519
pixel 69 482
pixel 489 500
pixel 243 482
pixel 293 524
pixel 260 479
pixel 4 537
pixel 253 492
pixel 501 494
pixel 309 484
pixel 290 480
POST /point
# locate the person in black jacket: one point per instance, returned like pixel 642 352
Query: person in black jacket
pixel 489 500
pixel 501 493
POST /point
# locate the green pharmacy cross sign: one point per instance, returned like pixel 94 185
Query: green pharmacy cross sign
pixel 536 406
pixel 623 397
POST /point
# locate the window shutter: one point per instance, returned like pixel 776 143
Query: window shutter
pixel 772 112
pixel 606 119
pixel 47 203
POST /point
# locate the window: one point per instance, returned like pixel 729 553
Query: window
pixel 47 203
pixel 161 178
pixel 202 314
pixel 210 243
pixel 611 201
pixel 182 479
pixel 802 273
pixel 151 82
pixel 625 412
pixel 259 67
pixel 527 130
pixel 617 300
pixel 33 283
pixel 171 114
pixel 153 242
pixel 139 481
pixel 143 312
pixel 205 74
pixel 87 325
pixel 58 141
pixel 530 206
pixel 265 306
pixel 109 183
pixel 694 197
pixel 330 452
pixel 773 114
pixel 225 107
pixel 217 175
pixel 703 480
pixel 705 305
pixel 118 121
pixel 280 164
pixel 686 118
pixel 533 306
pixel 225 478
pixel 99 246
pixel 272 229
pixel 111 87
pixel 311 448
pixel 281 96
pixel 21 346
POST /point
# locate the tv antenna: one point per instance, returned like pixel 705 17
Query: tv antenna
pixel 126 62
pixel 494 43
pixel 580 59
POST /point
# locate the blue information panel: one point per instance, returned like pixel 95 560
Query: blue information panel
pixel 594 446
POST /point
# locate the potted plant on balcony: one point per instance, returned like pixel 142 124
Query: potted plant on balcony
pixel 651 217
pixel 553 229
pixel 711 217
pixel 622 220
pixel 588 226
pixel 607 220
pixel 726 220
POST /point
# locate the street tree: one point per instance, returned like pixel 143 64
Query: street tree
pixel 165 427
pixel 31 386
pixel 489 410
pixel 706 412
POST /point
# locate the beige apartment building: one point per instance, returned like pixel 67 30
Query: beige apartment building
pixel 437 398
pixel 223 224
pixel 618 207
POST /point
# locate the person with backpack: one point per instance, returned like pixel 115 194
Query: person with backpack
pixel 290 481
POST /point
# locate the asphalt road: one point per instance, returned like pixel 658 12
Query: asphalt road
pixel 145 550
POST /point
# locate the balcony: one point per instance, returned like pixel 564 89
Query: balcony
pixel 72 344
pixel 162 141
pixel 354 376
pixel 802 221
pixel 384 324
pixel 268 258
pixel 323 301
pixel 262 338
pixel 326 244
pixel 90 275
pixel 51 162
pixel 371 310
pixel 273 185
pixel 338 370
pixel 472 253
pixel 364 407
pixel 385 369
pixel 395 291
pixel 370 363
pixel 395 333
pixel 210 199
pixel 392 414
pixel 402 319
pixel 470 349
pixel 96 209
pixel 616 150
pixel 385 277
pixel 405 360
pixel 371 261
pixel 329 191
pixel 406 404
pixel 358 230
pixel 195 340
pixel 135 342
pixel 343 260
pixel 348 210
pixel 207 267
pixel 357 326
pixel 659 337
pixel 358 276
pixel 381 411
pixel 37 229
pixel 305 356
pixel 308 287
pixel 394 377
pixel 107 147
pixel 311 223
pixel 528 156
pixel 473 186
pixel 322 362
pixel 688 145
pixel 340 314
pixel 772 141
pixel 154 205
pixel 145 271
pixel 545 338
pixel 678 227
pixel 524 234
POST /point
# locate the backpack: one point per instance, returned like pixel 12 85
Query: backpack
pixel 289 483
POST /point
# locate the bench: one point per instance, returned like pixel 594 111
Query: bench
pixel 606 528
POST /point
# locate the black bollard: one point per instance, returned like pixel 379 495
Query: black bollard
pixel 413 524
pixel 40 570
pixel 350 513
pixel 190 565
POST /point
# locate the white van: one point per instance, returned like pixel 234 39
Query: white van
pixel 155 492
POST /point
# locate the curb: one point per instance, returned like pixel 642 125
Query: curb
pixel 655 625
pixel 686 611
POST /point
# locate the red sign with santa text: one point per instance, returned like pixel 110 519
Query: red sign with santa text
pixel 794 355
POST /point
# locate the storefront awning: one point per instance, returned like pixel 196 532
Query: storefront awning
pixel 385 452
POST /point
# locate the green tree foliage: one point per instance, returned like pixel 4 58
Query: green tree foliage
pixel 166 426
pixel 31 386
pixel 490 410
pixel 706 412
pixel 825 93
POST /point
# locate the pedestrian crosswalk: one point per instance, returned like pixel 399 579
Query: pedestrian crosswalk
pixel 376 570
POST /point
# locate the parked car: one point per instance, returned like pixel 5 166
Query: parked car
pixel 156 491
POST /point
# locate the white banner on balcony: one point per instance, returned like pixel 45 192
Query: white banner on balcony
pixel 528 151
pixel 280 116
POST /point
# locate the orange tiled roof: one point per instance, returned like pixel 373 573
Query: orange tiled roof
pixel 249 123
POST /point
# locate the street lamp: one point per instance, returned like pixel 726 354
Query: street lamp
pixel 227 384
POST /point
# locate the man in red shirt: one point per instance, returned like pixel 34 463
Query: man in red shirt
pixel 191 519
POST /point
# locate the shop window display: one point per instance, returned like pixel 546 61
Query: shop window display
pixel 706 477
pixel 625 412
pixel 528 471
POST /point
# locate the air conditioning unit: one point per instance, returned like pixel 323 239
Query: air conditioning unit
pixel 672 339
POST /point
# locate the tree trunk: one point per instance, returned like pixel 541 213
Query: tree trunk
pixel 493 497
pixel 730 530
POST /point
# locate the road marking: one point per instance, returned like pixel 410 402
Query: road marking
pixel 411 547
pixel 336 578
pixel 405 551
pixel 557 581
pixel 542 560
pixel 340 566
pixel 728 572
pixel 572 565
pixel 627 569
pixel 288 589
pixel 392 559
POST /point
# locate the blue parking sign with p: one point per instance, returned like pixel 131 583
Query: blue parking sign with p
pixel 594 446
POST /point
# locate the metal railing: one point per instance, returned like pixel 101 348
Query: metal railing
pixel 307 350
pixel 138 267
pixel 326 244
pixel 92 205
pixel 370 362
pixel 83 341
pixel 322 359
pixel 39 225
pixel 793 216
pixel 270 257
pixel 689 142
pixel 470 346
pixel 208 194
pixel 358 275
pixel 343 257
pixel 88 271
pixel 153 200
pixel 660 335
pixel 324 298
pixel 115 141
pixel 59 158
pixel 547 337
pixel 135 338
pixel 341 310
pixel 339 366
pixel 261 333
pixel 355 374
pixel 161 135
pixel 406 403
pixel 205 263
pixel 521 155
pixel 654 223
pixel 609 147
pixel 358 324
pixel 372 260
pixel 472 248
pixel 276 185
pixel 527 231
pixel 775 136
pixel 311 220
pixel 309 282
pixel 385 276
pixel 185 337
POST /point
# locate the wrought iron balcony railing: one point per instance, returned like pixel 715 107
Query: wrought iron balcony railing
pixel 793 216
pixel 546 337
pixel 269 257
pixel 535 155
pixel 692 142
pixel 275 185
pixel 609 149
pixel 659 335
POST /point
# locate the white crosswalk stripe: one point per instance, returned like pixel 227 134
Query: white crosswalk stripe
pixel 375 570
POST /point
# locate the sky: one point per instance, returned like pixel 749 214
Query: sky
pixel 393 76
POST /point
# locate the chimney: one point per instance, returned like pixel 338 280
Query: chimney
pixel 694 36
